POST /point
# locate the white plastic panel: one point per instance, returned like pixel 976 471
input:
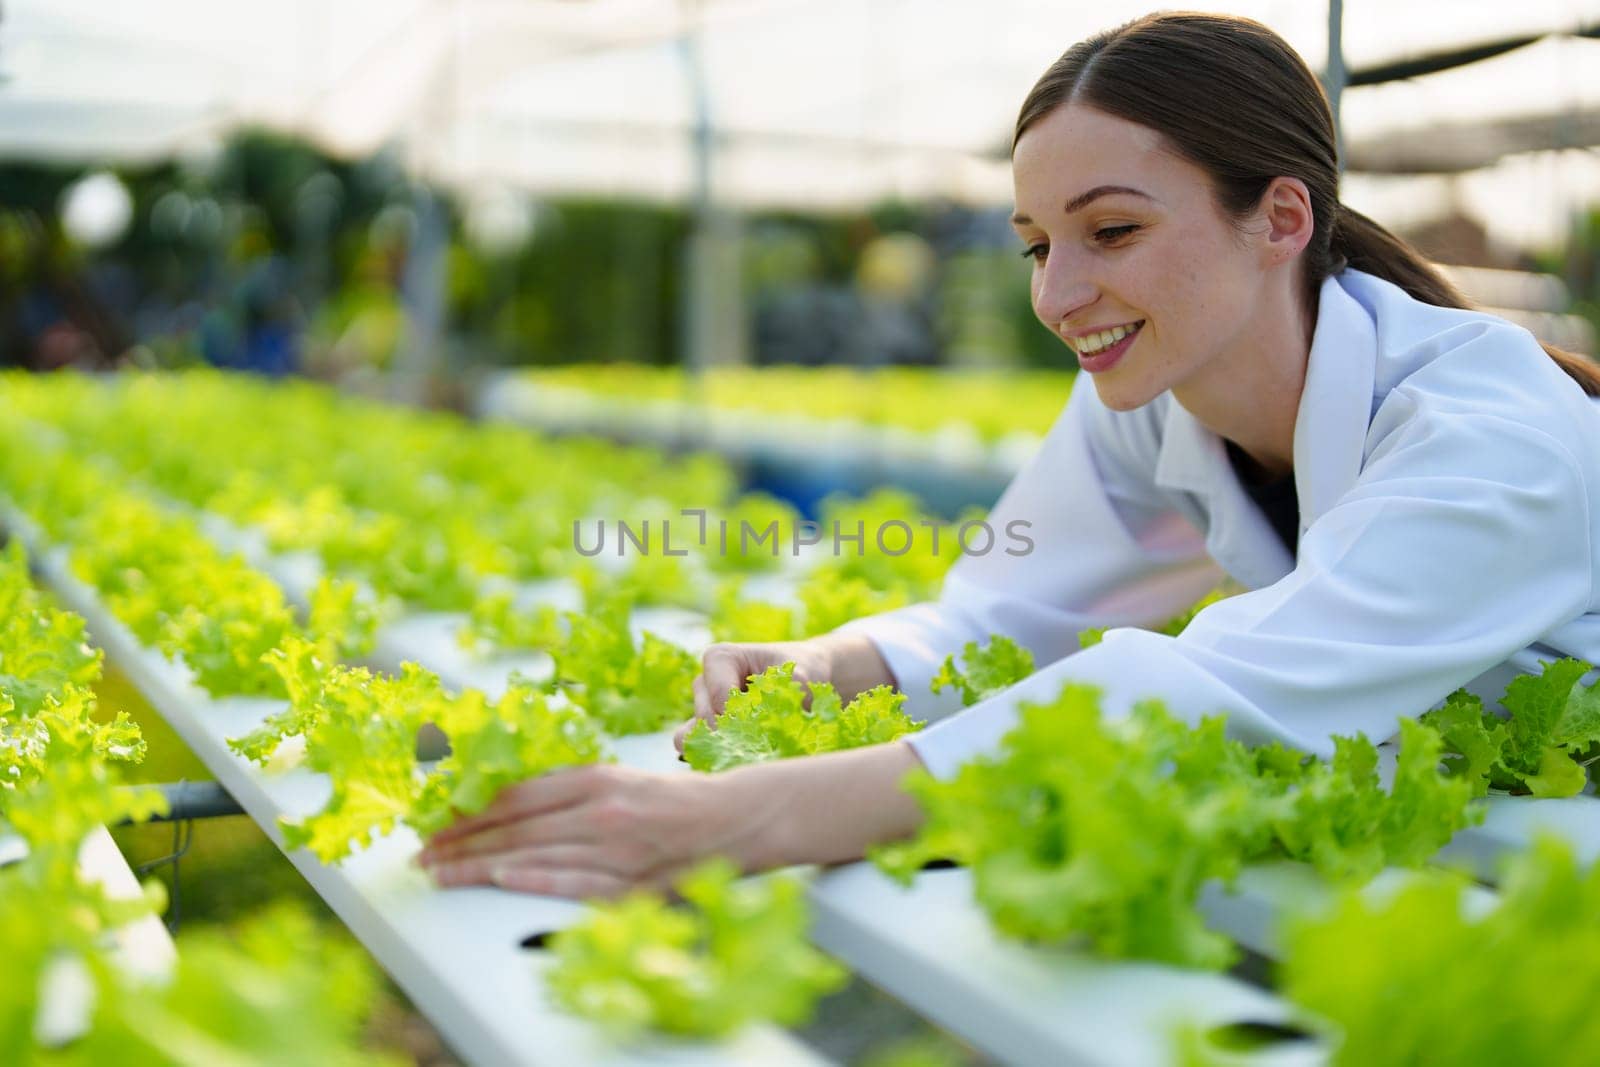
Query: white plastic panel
pixel 143 946
pixel 1512 822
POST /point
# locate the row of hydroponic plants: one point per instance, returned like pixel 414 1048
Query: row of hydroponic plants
pixel 1080 831
pixel 273 994
pixel 990 404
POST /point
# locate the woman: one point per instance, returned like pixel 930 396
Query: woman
pixel 1281 392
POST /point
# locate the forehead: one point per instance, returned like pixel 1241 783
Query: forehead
pixel 1075 148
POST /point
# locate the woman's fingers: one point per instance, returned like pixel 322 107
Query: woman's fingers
pixel 484 869
pixel 572 825
pixel 548 792
pixel 577 883
pixel 721 669
pixel 578 872
pixel 623 827
pixel 571 884
pixel 724 669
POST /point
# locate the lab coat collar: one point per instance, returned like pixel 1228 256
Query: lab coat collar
pixel 1194 461
pixel 1330 429
pixel 1330 433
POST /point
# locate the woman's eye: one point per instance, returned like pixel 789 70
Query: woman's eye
pixel 1111 233
pixel 1036 252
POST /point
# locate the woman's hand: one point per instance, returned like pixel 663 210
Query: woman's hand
pixel 601 830
pixel 851 662
pixel 726 667
pixel 596 831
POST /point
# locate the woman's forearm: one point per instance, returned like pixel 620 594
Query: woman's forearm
pixel 819 809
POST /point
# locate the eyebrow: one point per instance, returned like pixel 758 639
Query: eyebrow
pixel 1078 203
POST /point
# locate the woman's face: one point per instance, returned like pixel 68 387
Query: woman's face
pixel 1126 236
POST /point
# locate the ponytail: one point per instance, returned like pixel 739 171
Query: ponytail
pixel 1362 244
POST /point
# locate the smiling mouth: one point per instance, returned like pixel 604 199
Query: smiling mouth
pixel 1099 342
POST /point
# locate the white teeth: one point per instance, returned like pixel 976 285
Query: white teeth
pixel 1092 343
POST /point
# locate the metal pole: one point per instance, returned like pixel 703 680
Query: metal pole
pixel 1336 76
pixel 420 364
pixel 422 285
pixel 195 800
pixel 697 282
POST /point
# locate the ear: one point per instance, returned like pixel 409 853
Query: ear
pixel 1286 210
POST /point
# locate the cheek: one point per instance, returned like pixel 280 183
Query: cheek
pixel 1193 286
pixel 1188 264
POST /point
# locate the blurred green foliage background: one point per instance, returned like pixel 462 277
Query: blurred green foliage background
pixel 273 243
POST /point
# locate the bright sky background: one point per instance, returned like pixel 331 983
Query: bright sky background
pixel 819 103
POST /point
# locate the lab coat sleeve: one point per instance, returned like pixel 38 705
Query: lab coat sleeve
pixel 1465 537
pixel 1105 550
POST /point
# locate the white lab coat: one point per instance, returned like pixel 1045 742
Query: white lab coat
pixel 1448 475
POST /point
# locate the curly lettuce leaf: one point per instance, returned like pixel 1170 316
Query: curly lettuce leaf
pixel 1553 717
pixel 493 745
pixel 497 623
pixel 1544 744
pixel 828 601
pixel 628 687
pixel 737 953
pixel 985 670
pixel 1339 818
pixel 1473 740
pixel 1079 830
pixel 1512 985
pixel 276 993
pixel 775 717
pixel 341 619
pixel 301 668
pixel 364 737
pixel 1102 832
pixel 737 619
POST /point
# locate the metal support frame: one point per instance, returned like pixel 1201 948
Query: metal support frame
pixel 1336 76
pixel 186 802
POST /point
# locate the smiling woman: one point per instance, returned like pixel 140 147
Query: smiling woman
pixel 1282 393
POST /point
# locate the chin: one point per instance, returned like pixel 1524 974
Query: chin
pixel 1119 399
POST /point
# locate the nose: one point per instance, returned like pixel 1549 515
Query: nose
pixel 1061 289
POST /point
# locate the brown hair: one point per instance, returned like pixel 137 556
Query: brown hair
pixel 1232 97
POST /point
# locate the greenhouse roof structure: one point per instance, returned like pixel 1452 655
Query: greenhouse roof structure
pixel 812 104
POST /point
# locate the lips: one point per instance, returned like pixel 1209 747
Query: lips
pixel 1100 340
pixel 1106 358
